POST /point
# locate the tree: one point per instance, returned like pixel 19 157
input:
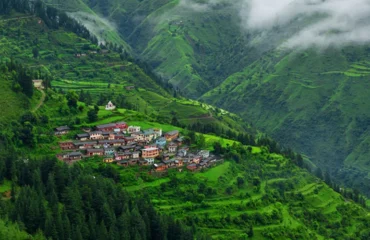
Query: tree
pixel 318 173
pixel 229 190
pixel 35 52
pixel 201 141
pixel 72 98
pixel 217 148
pixel 174 121
pixel 240 181
pixel 92 115
pixel 250 231
pixel 96 108
pixel 327 178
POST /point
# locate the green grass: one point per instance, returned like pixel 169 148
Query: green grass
pixel 156 183
pixel 5 186
pixel 214 173
pixel 13 104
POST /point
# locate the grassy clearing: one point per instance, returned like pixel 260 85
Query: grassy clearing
pixel 214 173
pixel 5 186
pixel 156 183
pixel 13 104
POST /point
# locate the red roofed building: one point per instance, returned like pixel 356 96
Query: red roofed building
pixel 122 125
pixel 192 167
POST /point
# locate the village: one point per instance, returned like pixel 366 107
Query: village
pixel 130 145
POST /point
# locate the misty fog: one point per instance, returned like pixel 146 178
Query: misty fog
pixel 337 22
pixel 322 23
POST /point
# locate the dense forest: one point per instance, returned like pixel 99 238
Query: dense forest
pixel 77 203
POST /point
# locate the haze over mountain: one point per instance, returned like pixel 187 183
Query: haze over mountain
pixel 337 22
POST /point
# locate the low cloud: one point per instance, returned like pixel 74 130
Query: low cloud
pixel 96 25
pixel 323 23
pixel 199 6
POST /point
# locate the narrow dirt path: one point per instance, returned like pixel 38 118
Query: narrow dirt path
pixel 41 100
pixel 16 18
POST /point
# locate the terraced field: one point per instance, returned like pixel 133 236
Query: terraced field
pixel 360 69
pixel 214 201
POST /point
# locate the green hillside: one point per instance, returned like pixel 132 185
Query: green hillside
pixel 13 104
pixel 102 74
pixel 192 50
pixel 254 192
pixel 264 196
pixel 104 30
pixel 314 101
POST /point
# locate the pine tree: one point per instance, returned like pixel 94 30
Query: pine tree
pixel 50 229
pixel 102 232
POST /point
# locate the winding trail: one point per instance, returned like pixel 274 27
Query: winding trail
pixel 16 18
pixel 41 100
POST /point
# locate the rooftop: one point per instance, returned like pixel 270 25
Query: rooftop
pixel 81 135
pixel 95 150
pixel 149 149
pixel 109 125
pixel 174 132
pixel 75 154
pixel 62 128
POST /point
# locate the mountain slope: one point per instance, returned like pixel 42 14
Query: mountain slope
pixel 74 63
pixel 193 50
pixel 314 101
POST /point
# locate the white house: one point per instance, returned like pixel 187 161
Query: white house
pixel 96 135
pixel 149 160
pixel 37 83
pixel 158 132
pixel 110 106
pixel 204 154
pixel 133 129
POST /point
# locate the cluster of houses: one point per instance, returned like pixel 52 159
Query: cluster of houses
pixel 129 145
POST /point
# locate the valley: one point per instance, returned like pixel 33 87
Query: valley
pixel 218 99
pixel 311 99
